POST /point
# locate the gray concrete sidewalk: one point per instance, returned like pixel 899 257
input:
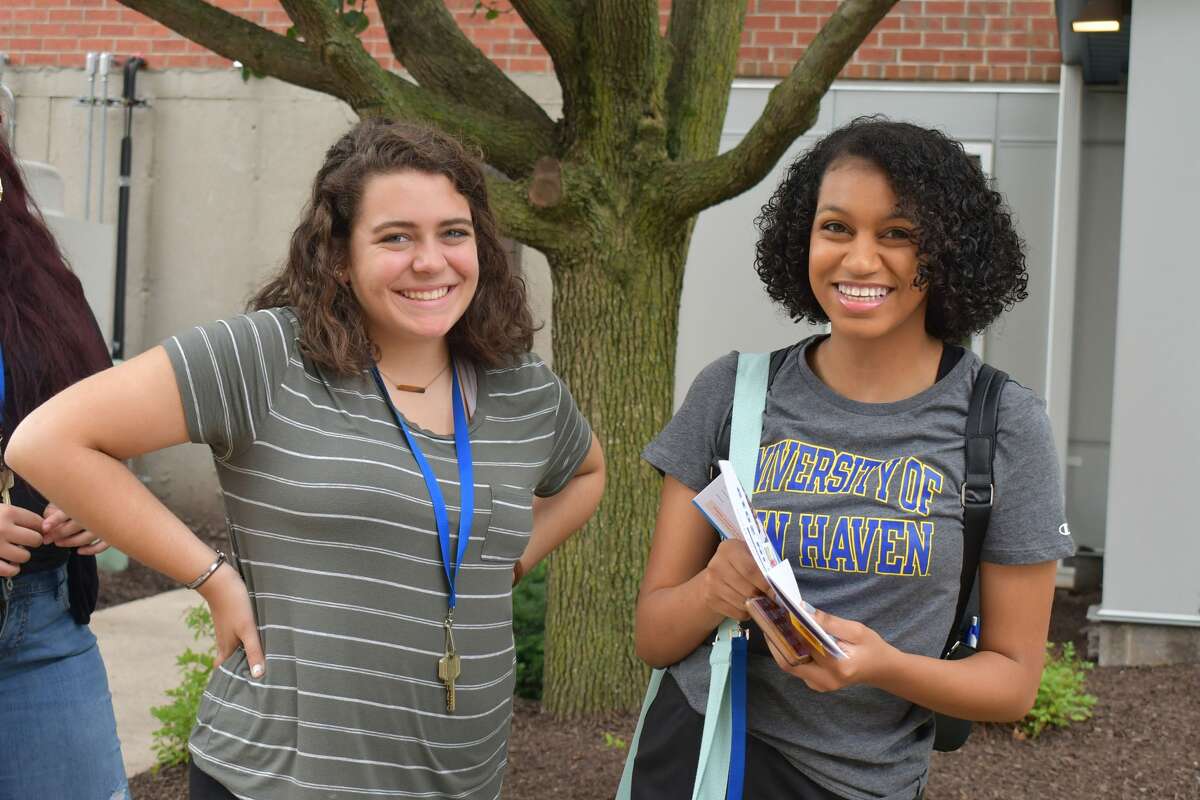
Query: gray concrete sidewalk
pixel 140 641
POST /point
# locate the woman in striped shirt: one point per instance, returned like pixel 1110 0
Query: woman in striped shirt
pixel 391 457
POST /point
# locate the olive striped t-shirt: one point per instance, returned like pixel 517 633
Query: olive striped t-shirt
pixel 333 532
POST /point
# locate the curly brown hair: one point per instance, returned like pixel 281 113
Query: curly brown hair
pixel 497 325
pixel 972 260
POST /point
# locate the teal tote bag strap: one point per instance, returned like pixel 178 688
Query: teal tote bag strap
pixel 724 718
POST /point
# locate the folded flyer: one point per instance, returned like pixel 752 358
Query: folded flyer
pixel 727 506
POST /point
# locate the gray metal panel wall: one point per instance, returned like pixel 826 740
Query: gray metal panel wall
pixel 1095 315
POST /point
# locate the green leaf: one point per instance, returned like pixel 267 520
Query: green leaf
pixel 492 14
pixel 292 33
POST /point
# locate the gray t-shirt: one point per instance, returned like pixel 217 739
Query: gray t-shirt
pixel 334 534
pixel 863 499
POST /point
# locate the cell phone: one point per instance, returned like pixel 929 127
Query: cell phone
pixel 781 629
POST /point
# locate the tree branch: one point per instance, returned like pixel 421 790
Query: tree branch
pixel 705 38
pixel 554 23
pixel 332 60
pixel 367 85
pixel 691 187
pixel 239 39
pixel 620 80
pixel 433 49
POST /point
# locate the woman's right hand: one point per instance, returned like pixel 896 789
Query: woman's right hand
pixel 20 532
pixel 233 617
pixel 731 578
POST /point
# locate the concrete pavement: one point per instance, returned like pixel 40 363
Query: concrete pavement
pixel 140 641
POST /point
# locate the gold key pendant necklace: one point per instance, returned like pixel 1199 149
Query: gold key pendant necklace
pixel 449 666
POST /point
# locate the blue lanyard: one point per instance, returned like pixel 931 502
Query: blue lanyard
pixel 466 480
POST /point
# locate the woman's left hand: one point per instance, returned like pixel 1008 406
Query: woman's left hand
pixel 62 531
pixel 867 656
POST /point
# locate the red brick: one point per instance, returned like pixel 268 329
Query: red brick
pixel 963 56
pixel 986 40
pixel 787 56
pixel 926 23
pixel 1047 24
pixel 908 39
pixel 961 72
pixel 987 7
pixel 1008 23
pixel 1008 56
pixel 776 6
pixel 1045 57
pixel 1051 74
pixel 529 64
pixel 818 6
pixel 955 9
pixel 920 55
pixel 854 71
pixel 755 53
pixel 800 23
pixel 875 54
pixel 908 72
pixel 760 22
pixel 891 22
pixel 774 37
pixel 965 23
pixel 935 39
pixel 1034 8
pixel 926 72
pixel 1031 40
pixel 168 46
pixel 55 29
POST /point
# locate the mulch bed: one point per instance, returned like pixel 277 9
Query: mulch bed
pixel 1143 741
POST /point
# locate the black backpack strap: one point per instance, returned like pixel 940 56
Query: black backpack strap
pixel 777 358
pixel 978 489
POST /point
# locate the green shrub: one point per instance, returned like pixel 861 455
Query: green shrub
pixel 529 624
pixel 178 717
pixel 1061 698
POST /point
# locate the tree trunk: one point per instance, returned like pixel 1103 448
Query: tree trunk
pixel 616 314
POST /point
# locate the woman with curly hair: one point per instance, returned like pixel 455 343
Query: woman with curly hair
pixel 392 459
pixel 890 233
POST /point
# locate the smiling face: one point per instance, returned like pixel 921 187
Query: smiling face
pixel 862 258
pixel 414 266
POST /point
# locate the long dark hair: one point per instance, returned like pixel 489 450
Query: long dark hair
pixel 497 325
pixel 47 330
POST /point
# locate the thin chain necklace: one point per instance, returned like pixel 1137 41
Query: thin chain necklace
pixel 408 387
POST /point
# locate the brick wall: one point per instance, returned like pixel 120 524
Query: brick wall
pixel 961 40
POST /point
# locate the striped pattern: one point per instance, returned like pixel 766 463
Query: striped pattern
pixel 333 531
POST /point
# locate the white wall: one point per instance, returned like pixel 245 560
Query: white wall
pixel 1153 538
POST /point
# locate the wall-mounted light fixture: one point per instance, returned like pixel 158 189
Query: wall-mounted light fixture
pixel 1099 16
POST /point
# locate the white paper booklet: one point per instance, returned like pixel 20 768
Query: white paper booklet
pixel 727 506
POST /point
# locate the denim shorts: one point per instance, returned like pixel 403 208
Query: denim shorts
pixel 58 736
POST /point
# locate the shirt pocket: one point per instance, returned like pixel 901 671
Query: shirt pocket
pixel 511 524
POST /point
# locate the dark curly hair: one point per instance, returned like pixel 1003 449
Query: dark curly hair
pixel 970 258
pixel 497 325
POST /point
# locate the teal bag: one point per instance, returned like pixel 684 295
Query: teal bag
pixel 718 740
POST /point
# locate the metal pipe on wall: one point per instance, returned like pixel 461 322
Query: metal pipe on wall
pixel 10 120
pixel 129 100
pixel 90 101
pixel 106 61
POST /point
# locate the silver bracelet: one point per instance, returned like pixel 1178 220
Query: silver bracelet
pixel 220 559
